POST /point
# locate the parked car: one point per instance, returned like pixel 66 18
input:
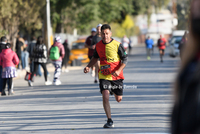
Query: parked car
pixel 174 42
pixel 78 53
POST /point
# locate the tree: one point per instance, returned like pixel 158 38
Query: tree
pixel 14 13
pixel 80 14
pixel 183 14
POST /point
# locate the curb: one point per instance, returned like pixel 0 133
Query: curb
pixel 50 68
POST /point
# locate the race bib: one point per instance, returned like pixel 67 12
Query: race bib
pixel 106 70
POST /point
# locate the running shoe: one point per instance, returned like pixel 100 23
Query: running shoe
pixel 66 70
pixel 95 81
pixel 148 58
pixel 108 125
pixel 93 73
pixel 30 83
pixel 11 92
pixel 57 82
pixel 3 93
pixel 48 83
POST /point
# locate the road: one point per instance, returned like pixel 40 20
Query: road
pixel 75 107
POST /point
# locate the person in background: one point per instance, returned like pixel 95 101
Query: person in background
pixel 19 49
pixel 56 54
pixel 3 42
pixel 129 46
pixel 149 45
pixel 8 60
pixel 66 57
pixel 91 48
pixel 185 117
pixel 125 43
pixel 30 51
pixel 183 42
pixel 95 40
pixel 39 57
pixel 161 46
pixel 26 53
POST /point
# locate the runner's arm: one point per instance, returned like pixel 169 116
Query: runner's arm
pixel 124 59
pixel 122 54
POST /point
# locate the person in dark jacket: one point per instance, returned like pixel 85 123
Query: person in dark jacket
pixel 19 49
pixel 30 50
pixel 66 57
pixel 39 57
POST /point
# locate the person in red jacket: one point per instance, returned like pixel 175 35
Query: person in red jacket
pixel 161 46
pixel 8 61
pixel 58 62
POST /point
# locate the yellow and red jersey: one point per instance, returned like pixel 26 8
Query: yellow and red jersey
pixel 111 54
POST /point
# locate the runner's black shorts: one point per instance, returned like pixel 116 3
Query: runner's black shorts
pixel 163 50
pixel 116 86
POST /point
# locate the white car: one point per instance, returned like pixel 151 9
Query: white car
pixel 174 42
pixel 173 46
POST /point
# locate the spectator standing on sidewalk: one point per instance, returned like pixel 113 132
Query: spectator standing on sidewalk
pixel 56 54
pixel 3 42
pixel 19 50
pixel 66 57
pixel 39 57
pixel 91 47
pixel 161 46
pixel 149 45
pixel 95 40
pixel 30 51
pixel 8 60
pixel 26 53
pixel 113 60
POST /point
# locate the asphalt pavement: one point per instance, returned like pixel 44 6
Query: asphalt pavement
pixel 75 107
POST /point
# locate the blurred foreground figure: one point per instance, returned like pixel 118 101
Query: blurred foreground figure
pixel 186 110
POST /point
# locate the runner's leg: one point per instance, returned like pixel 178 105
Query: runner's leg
pixel 118 98
pixel 106 104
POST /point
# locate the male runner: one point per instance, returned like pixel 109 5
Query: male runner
pixel 161 46
pixel 113 59
pixel 90 47
pixel 95 40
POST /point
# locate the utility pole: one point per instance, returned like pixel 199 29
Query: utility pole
pixel 48 23
pixel 174 12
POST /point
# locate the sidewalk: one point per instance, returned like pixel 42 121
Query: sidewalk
pixel 50 68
